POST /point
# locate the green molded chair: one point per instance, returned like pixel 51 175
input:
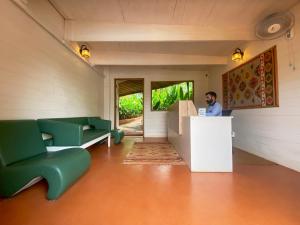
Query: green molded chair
pixel 23 158
pixel 117 135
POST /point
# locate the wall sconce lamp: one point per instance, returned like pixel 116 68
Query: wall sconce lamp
pixel 84 52
pixel 237 55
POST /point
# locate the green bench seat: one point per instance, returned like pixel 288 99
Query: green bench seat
pixel 91 134
pixel 70 132
pixel 23 158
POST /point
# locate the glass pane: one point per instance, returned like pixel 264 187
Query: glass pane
pixel 131 106
pixel 164 94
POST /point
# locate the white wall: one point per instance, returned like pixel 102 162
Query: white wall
pixel 39 77
pixel 46 14
pixel 214 78
pixel 155 122
pixel 272 133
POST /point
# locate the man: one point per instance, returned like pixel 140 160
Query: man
pixel 214 107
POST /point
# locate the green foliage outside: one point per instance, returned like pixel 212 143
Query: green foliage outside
pixel 163 98
pixel 130 106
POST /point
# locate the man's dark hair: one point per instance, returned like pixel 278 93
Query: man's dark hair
pixel 211 93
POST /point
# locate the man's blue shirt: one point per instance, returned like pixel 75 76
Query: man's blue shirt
pixel 214 110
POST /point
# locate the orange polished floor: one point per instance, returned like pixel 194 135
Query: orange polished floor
pixel 111 193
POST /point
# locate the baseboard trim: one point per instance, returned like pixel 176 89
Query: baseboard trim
pixel 259 154
pixel 156 136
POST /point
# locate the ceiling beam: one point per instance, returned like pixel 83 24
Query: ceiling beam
pixel 96 31
pixel 119 58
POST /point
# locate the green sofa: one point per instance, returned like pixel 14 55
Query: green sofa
pixel 24 159
pixel 70 132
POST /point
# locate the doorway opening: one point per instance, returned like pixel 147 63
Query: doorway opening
pixel 129 106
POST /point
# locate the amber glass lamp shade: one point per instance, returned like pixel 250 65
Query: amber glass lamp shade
pixel 237 55
pixel 85 52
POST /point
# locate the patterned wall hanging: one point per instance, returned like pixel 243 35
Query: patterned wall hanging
pixel 252 84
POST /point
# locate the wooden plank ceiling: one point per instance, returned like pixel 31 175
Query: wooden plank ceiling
pixel 228 13
pixel 164 32
pixel 128 87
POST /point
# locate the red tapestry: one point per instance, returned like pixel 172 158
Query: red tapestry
pixel 252 84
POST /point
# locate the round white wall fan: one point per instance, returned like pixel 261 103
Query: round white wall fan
pixel 275 26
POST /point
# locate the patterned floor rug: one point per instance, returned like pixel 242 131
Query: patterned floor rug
pixel 153 153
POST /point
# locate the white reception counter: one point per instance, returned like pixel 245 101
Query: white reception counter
pixel 205 143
